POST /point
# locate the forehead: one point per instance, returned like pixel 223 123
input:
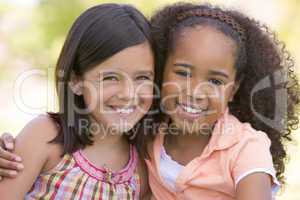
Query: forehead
pixel 129 60
pixel 204 46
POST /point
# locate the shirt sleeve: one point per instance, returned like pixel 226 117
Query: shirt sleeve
pixel 254 156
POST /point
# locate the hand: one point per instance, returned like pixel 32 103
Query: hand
pixel 10 164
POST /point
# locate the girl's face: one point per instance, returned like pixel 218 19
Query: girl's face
pixel 199 78
pixel 119 91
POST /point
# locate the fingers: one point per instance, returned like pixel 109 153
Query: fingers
pixel 8 173
pixel 9 169
pixel 6 164
pixel 9 162
pixel 9 156
pixel 8 141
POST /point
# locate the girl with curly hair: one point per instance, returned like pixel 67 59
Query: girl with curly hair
pixel 229 98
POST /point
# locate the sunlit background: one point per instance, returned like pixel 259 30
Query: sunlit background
pixel 32 33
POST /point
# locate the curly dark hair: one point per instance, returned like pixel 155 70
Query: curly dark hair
pixel 261 59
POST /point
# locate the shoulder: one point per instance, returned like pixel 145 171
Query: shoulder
pixel 244 133
pixel 32 145
pixel 232 135
pixel 243 142
pixel 252 164
pixel 251 150
pixel 250 135
pixel 34 138
pixel 41 127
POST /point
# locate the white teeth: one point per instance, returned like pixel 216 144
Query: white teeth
pixel 191 110
pixel 125 110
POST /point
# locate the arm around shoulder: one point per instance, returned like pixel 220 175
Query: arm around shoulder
pixel 32 145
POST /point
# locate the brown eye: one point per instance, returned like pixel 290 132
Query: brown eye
pixel 143 78
pixel 110 78
pixel 183 73
pixel 216 81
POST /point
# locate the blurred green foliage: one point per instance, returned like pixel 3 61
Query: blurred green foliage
pixel 41 39
pixel 55 18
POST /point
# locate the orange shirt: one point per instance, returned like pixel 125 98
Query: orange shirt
pixel 234 151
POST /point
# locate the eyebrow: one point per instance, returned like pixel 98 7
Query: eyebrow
pixel 151 73
pixel 144 72
pixel 219 73
pixel 107 73
pixel 186 65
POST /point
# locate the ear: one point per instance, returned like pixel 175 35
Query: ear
pixel 76 84
pixel 235 88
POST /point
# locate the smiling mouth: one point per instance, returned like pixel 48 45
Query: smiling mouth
pixel 123 111
pixel 189 111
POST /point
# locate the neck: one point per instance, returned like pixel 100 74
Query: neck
pixel 103 138
pixel 108 139
pixel 108 144
pixel 188 140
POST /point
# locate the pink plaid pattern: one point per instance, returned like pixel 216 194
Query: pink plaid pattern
pixel 77 178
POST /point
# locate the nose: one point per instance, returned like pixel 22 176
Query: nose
pixel 127 91
pixel 200 90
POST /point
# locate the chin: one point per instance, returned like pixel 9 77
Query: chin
pixel 193 126
pixel 123 125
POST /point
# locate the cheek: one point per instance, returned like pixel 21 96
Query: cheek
pixel 228 93
pixel 144 92
pixel 170 93
pixel 95 97
pixel 220 98
pixel 173 85
pixel 90 98
pixel 145 100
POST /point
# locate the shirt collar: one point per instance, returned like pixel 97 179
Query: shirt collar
pixel 225 133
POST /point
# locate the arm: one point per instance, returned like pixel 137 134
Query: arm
pixel 253 169
pixel 255 186
pixel 32 145
pixel 10 164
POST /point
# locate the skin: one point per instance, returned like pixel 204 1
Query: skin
pixel 202 75
pixel 125 80
pixel 209 70
pixel 111 150
pixel 9 162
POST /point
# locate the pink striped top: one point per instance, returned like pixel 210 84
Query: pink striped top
pixel 75 177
